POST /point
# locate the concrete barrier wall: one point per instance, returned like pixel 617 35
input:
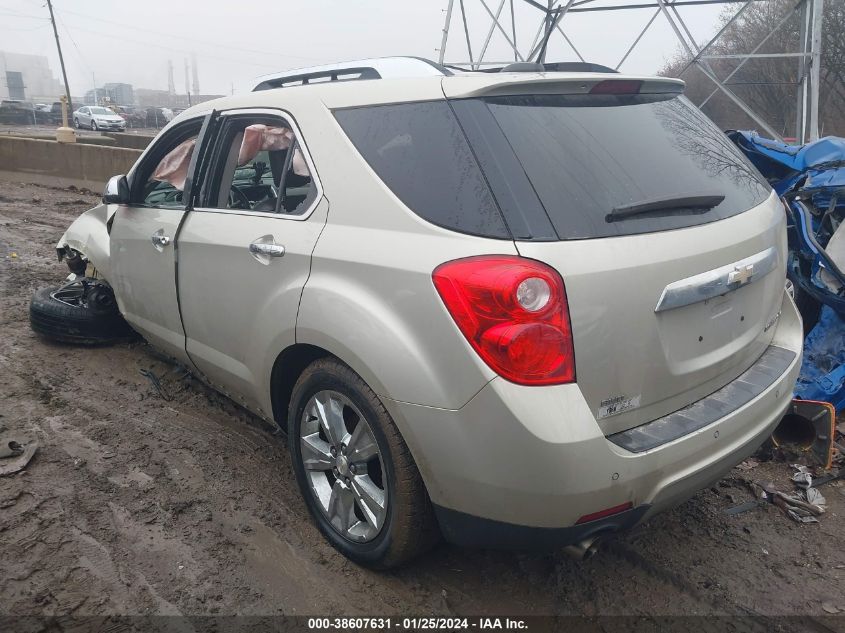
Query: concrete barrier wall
pixel 132 141
pixel 62 164
pixel 88 139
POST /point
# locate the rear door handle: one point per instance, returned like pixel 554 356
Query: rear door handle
pixel 268 250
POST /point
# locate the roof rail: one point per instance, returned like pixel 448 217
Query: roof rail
pixel 376 68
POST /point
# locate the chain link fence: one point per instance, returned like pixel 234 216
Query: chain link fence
pixel 42 113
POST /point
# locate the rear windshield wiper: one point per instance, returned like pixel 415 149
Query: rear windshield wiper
pixel 694 204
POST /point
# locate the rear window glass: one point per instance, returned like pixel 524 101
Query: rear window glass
pixel 420 152
pixel 588 155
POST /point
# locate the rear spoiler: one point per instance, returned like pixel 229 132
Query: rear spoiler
pixel 503 84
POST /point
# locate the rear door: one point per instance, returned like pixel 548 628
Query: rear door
pixel 245 252
pixel 671 246
pixel 143 236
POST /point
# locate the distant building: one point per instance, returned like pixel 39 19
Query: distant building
pixel 28 77
pixel 146 98
pixel 118 94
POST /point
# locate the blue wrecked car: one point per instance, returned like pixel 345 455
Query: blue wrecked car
pixel 811 180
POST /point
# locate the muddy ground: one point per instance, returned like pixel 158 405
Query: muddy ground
pixel 139 505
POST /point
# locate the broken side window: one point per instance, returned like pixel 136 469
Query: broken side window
pixel 261 168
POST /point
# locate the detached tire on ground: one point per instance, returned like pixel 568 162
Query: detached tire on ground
pixel 355 471
pixel 81 313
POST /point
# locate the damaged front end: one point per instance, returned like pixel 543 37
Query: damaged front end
pixel 811 182
pixel 85 246
pixel 83 310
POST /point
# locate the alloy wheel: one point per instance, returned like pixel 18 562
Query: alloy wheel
pixel 85 293
pixel 344 466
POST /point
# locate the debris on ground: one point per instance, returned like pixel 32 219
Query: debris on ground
pixel 803 478
pixel 156 383
pixel 10 448
pixel 748 464
pixel 804 506
pixel 14 457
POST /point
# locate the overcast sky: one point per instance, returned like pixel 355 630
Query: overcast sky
pixel 235 41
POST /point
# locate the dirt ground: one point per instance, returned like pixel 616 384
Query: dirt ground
pixel 139 505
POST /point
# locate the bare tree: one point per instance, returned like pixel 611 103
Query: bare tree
pixel 768 85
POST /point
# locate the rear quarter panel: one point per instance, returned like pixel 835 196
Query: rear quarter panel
pixel 370 299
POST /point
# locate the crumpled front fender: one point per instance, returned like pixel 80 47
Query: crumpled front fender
pixel 89 234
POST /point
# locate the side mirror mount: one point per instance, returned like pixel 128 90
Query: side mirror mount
pixel 117 190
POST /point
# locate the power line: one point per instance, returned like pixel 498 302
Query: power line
pixel 181 36
pixel 26 30
pixel 17 14
pixel 75 45
pixel 177 50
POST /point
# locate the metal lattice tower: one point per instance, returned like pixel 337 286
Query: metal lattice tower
pixel 502 19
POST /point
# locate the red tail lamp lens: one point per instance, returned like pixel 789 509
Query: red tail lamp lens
pixel 514 313
pixel 601 514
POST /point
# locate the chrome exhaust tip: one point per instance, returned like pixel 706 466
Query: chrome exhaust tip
pixel 583 550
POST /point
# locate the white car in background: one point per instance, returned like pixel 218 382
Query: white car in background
pixel 98 118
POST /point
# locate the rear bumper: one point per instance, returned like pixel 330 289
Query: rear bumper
pixel 467 530
pixel 516 467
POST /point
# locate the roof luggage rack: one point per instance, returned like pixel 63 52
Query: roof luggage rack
pixel 377 68
pixel 404 67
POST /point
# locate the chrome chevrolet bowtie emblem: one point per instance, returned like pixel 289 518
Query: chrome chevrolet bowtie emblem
pixel 741 274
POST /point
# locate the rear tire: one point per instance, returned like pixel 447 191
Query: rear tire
pixel 98 322
pixel 409 527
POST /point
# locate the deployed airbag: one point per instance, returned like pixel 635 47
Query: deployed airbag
pixel 261 137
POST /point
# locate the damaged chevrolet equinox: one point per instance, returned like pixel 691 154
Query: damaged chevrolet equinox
pixel 517 309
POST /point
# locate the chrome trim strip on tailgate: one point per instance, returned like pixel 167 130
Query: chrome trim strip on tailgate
pixel 718 281
pixel 754 381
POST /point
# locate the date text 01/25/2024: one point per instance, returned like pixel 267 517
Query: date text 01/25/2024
pixel 417 624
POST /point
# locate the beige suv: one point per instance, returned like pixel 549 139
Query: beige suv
pixel 523 309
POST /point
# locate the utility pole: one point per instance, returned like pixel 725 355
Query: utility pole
pixel 195 75
pixel 61 59
pixel 815 68
pixel 187 85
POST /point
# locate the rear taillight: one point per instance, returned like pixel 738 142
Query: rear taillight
pixel 513 312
